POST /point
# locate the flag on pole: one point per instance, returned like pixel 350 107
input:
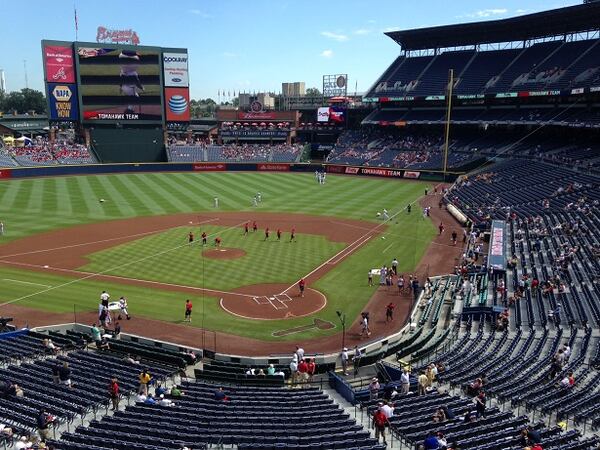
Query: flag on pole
pixel 76 23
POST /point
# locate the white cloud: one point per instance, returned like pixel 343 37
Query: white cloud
pixel 229 55
pixel 388 29
pixel 199 12
pixel 362 31
pixel 484 13
pixel 335 36
pixel 327 53
pixel 371 21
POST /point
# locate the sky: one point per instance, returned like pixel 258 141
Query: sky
pixel 247 45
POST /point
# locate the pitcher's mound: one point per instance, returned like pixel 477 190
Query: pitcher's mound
pixel 224 253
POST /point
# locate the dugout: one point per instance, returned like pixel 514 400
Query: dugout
pixel 121 145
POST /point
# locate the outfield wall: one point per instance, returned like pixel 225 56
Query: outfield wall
pixel 96 169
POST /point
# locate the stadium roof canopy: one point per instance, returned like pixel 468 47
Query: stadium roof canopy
pixel 556 22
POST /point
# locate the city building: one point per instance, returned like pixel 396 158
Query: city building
pixel 295 89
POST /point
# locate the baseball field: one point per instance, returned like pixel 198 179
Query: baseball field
pixel 66 239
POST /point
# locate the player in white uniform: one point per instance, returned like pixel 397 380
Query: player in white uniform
pixel 216 201
pixel 123 308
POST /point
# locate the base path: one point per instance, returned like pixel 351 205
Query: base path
pixel 67 249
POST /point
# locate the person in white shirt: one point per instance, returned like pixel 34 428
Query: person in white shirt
pixel 300 353
pixel 387 410
pixel 566 351
pixel 405 382
pixel 104 298
pixel 250 372
pixel 294 369
pixel 123 308
pixel 141 398
pixel 23 442
pixel 344 356
pixel 165 401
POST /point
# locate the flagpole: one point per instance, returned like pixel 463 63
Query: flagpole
pixel 76 24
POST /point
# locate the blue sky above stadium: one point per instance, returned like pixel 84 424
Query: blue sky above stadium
pixel 246 45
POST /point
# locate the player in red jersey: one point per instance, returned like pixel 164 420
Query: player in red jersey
pixel 266 233
pixel 246 226
pixel 278 234
pixel 254 227
pixel 204 238
pixel 293 235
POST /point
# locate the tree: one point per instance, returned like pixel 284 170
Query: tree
pixel 313 92
pixel 23 101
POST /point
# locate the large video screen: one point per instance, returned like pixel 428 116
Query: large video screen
pixel 119 84
pixel 332 115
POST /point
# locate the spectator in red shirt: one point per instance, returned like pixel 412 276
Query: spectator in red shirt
pixel 113 391
pixel 303 370
pixel 312 368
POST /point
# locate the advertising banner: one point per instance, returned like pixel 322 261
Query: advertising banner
pixel 323 114
pixel 497 250
pixel 381 172
pixel 60 67
pixel 412 175
pixel 175 66
pixel 273 167
pixel 335 169
pixel 256 115
pixel 6 173
pixel 62 99
pixel 255 133
pixel 216 167
pixel 177 104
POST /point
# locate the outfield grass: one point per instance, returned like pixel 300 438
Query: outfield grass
pixel 31 206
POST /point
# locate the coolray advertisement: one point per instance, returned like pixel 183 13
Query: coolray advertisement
pixel 177 104
pixel 62 99
pixel 117 84
pixel 332 114
pixel 175 66
pixel 59 63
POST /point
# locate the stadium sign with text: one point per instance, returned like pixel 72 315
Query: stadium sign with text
pixel 62 99
pixel 107 36
pixel 335 85
pixel 175 66
pixel 59 64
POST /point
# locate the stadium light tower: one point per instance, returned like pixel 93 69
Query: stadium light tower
pixel 448 112
pixel 342 318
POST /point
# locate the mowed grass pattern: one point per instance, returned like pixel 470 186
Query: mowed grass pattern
pixel 167 257
pixel 31 206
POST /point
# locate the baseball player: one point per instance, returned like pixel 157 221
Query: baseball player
pixel 301 286
pixel 216 202
pixel 259 197
pixel 254 227
pixel 279 234
pixel 190 238
pixel 204 238
pixel 123 308
pixel 266 233
pixel 217 242
pixel 293 235
pixel 188 311
pixel 246 226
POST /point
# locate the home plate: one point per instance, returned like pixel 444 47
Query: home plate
pixel 46 266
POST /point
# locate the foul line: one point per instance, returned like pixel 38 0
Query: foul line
pixel 26 282
pixel 354 245
pixel 103 273
pixel 82 244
